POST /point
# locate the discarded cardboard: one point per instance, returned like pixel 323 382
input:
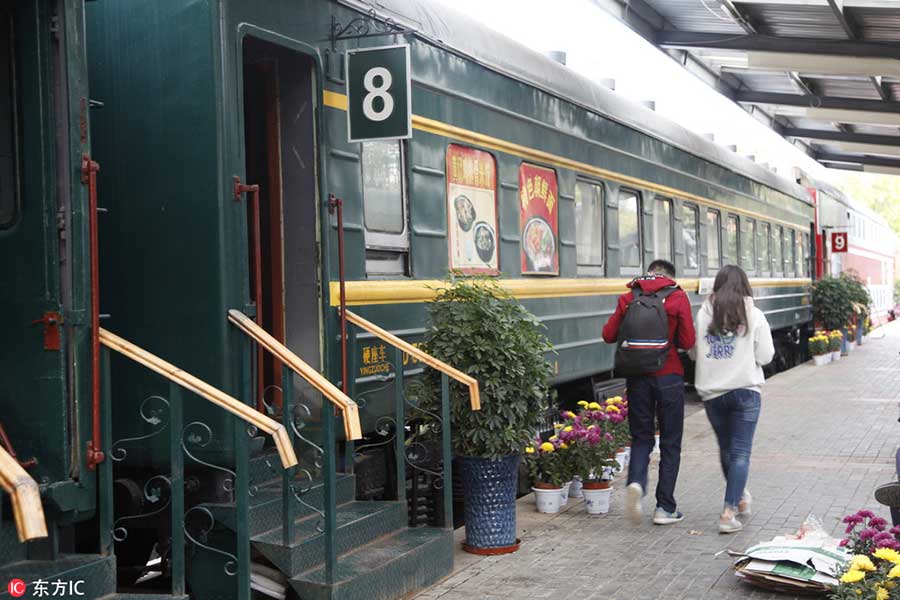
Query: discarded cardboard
pixel 802 563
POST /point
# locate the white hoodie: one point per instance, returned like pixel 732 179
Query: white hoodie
pixel 731 362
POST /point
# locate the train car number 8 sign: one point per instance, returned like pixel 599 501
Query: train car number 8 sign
pixel 379 95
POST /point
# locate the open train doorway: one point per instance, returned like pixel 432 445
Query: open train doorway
pixel 279 138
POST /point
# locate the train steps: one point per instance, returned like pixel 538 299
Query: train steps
pixel 379 556
pixel 390 567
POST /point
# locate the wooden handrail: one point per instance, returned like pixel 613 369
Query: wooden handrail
pixel 205 390
pixel 25 496
pixel 350 410
pixel 471 382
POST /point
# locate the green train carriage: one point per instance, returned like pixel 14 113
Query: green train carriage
pixel 198 93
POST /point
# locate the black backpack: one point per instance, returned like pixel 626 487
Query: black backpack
pixel 643 343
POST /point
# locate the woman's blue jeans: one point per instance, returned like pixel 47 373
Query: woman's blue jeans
pixel 733 417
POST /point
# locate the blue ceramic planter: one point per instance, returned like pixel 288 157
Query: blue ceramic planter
pixel 489 487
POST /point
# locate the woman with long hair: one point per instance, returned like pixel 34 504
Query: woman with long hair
pixel 733 343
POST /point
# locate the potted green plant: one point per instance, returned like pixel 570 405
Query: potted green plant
pixel 481 330
pixel 831 302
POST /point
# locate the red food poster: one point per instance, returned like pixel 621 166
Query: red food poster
pixel 538 222
pixel 472 210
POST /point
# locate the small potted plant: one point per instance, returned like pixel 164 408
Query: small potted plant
pixel 835 341
pixel 548 464
pixel 480 329
pixel 593 450
pixel 819 349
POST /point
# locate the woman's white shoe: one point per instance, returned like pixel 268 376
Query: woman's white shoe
pixel 745 505
pixel 729 526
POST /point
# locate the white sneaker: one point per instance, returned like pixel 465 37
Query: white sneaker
pixel 745 505
pixel 732 526
pixel 634 495
pixel 663 517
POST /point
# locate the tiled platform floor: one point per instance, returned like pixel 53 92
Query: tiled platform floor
pixel 826 438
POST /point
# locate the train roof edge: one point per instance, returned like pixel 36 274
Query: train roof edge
pixel 438 25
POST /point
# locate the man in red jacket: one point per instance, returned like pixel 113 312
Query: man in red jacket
pixel 660 394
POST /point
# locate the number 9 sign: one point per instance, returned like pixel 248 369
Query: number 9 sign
pixel 839 241
pixel 378 94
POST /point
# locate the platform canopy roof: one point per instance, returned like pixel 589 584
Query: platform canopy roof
pixel 825 74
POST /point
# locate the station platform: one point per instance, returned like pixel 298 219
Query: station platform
pixel 827 437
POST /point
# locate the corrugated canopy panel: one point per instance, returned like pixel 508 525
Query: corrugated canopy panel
pixel 824 72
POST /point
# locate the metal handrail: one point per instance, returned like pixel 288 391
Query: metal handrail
pixel 25 496
pixel 421 356
pixel 206 391
pixel 350 410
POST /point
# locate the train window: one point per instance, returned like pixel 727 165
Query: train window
pixel 589 226
pixel 690 227
pixel 764 241
pixel 788 245
pixel 793 265
pixel 662 229
pixel 777 236
pixel 731 238
pixel 748 246
pixel 384 207
pixel 713 241
pixel 806 255
pixel 8 185
pixel 630 250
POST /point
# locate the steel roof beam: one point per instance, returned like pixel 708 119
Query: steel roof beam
pixel 775 44
pixel 858 104
pixel 849 27
pixel 841 136
pixel 853 159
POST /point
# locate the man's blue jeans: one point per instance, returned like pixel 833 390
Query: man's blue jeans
pixel 733 417
pixel 650 398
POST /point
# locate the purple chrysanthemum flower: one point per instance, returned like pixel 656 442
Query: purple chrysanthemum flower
pixel 867 534
pixel 866 514
pixel 878 523
pixel 843 543
pixel 891 543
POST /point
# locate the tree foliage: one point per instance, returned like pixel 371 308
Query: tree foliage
pixel 481 330
pixel 878 192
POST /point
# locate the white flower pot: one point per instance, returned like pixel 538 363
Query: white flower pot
pixel 564 494
pixel 620 458
pixel 547 501
pixel 822 359
pixel 597 501
pixel 575 488
pixel 836 356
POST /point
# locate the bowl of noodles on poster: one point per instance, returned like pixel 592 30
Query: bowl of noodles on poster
pixel 540 246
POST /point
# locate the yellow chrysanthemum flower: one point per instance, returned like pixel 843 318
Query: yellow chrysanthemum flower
pixel 888 554
pixel 852 576
pixel 894 573
pixel 553 438
pixel 567 428
pixel 563 446
pixel 612 409
pixel 529 450
pixel 594 406
pixel 582 403
pixel 881 593
pixel 547 447
pixel 557 426
pixel 592 427
pixel 861 562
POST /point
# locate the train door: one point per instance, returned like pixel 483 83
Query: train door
pixel 279 138
pixel 34 214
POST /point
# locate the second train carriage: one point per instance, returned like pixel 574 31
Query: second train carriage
pixel 202 99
